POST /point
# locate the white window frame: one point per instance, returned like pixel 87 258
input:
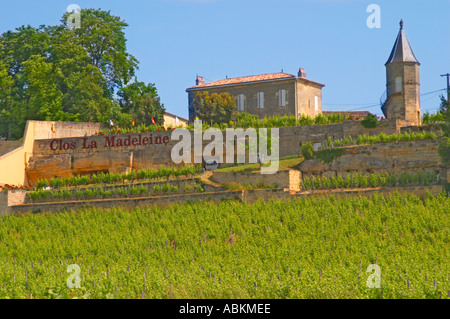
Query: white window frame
pixel 282 97
pixel 316 103
pixel 260 100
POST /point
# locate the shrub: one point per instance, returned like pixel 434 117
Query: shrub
pixel 165 188
pixel 79 193
pixel 370 121
pixel 105 193
pixel 91 192
pixel 307 150
pixel 156 188
pixel 134 190
pixel 122 191
pixel 143 189
pixel 42 183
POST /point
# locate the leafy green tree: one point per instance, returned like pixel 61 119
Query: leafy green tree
pixel 143 102
pixel 102 36
pixel 53 73
pixel 217 108
pixel 6 87
pixel 443 108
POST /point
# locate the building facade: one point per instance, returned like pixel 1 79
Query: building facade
pixel 266 94
pixel 402 82
pixel 172 120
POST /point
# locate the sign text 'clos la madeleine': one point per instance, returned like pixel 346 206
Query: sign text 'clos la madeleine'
pixel 110 141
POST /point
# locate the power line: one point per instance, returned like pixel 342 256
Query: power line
pixel 432 92
pixel 378 104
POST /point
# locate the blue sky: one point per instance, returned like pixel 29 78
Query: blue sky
pixel 175 40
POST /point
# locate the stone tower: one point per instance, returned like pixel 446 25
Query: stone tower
pixel 402 82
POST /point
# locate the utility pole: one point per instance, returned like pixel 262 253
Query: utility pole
pixel 448 88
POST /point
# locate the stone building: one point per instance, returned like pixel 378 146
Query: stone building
pixel 402 82
pixel 172 120
pixel 266 94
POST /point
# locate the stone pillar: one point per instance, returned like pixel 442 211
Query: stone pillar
pixel 294 180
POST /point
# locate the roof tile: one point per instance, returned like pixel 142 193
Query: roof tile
pixel 245 79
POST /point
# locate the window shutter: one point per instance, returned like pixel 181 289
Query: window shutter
pixel 283 97
pixel 316 103
pixel 261 100
pixel 241 102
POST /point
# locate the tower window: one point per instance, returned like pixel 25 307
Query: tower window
pixel 398 84
pixel 316 103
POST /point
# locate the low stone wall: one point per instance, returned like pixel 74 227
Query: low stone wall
pixel 129 202
pixel 288 179
pixel 435 128
pixel 396 157
pixel 180 183
pixel 419 191
pixel 251 196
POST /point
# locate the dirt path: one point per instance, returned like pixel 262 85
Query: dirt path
pixel 205 178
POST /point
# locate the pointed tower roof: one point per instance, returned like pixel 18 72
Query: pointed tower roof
pixel 402 52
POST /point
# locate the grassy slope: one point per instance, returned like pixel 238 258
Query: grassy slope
pixel 315 248
pixel 290 162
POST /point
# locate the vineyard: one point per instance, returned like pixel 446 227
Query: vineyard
pixel 304 248
pixel 358 180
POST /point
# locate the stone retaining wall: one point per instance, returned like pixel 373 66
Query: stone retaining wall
pixel 288 179
pixel 86 155
pixel 249 196
pixel 396 157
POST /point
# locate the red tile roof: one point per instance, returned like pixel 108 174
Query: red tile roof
pixel 246 79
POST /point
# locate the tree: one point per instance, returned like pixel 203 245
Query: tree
pixel 53 73
pixel 444 145
pixel 102 36
pixel 6 86
pixel 443 108
pixel 143 102
pixel 217 108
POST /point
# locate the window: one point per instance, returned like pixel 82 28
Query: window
pixel 282 97
pixel 240 102
pixel 398 84
pixel 316 103
pixel 260 100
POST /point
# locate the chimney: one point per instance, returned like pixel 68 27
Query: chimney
pixel 200 80
pixel 301 73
